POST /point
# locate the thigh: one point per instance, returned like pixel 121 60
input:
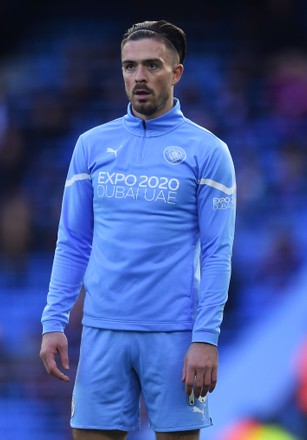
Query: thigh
pixel 91 434
pixel 183 435
pixel 160 373
pixel 106 393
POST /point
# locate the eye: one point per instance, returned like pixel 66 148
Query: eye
pixel 151 65
pixel 128 67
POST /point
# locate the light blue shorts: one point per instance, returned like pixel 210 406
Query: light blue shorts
pixel 115 367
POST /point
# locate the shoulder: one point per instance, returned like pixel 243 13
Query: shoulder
pixel 205 138
pixel 102 129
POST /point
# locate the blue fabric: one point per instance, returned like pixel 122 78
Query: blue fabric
pixel 147 224
pixel 115 365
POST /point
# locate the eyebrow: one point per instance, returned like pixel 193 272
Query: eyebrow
pixel 147 60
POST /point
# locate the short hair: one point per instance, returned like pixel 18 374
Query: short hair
pixel 173 36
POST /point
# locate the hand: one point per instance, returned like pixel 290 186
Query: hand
pixel 55 343
pixel 200 369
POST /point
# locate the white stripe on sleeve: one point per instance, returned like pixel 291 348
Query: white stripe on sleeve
pixel 218 185
pixel 76 177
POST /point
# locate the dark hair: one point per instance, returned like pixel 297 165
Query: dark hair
pixel 173 36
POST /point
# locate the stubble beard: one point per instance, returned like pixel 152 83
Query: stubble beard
pixel 144 108
pixel 147 108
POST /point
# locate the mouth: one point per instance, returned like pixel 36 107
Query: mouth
pixel 141 93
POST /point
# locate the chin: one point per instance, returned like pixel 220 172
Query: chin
pixel 144 109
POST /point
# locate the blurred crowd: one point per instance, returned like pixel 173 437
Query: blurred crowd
pixel 57 84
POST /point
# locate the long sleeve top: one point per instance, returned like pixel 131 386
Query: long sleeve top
pixel 147 226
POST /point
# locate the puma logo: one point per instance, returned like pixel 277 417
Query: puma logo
pixel 198 410
pixel 113 151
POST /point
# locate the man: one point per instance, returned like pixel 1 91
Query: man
pixel 147 224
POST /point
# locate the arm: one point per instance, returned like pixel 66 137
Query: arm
pixel 74 244
pixel 70 260
pixel 216 212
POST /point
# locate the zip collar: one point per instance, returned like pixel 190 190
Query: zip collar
pixel 156 126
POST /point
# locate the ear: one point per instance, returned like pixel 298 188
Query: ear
pixel 177 74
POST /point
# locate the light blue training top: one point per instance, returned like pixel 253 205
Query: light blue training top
pixel 147 224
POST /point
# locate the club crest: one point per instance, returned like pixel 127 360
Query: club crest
pixel 174 155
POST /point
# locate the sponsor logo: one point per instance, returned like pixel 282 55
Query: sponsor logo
pixel 174 155
pixel 221 203
pixel 134 187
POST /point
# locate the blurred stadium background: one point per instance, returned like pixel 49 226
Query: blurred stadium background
pixel 246 80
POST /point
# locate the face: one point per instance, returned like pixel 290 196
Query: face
pixel 150 71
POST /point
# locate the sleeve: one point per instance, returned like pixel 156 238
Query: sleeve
pixel 74 243
pixel 216 217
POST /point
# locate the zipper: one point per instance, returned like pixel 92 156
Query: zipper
pixel 141 148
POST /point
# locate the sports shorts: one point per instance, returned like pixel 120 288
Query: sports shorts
pixel 116 367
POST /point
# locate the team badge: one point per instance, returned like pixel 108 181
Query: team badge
pixel 174 155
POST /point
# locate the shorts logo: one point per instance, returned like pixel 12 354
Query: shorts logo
pixel 198 410
pixel 174 155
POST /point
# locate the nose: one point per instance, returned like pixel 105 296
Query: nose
pixel 140 74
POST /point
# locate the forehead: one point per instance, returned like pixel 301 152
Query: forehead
pixel 146 48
